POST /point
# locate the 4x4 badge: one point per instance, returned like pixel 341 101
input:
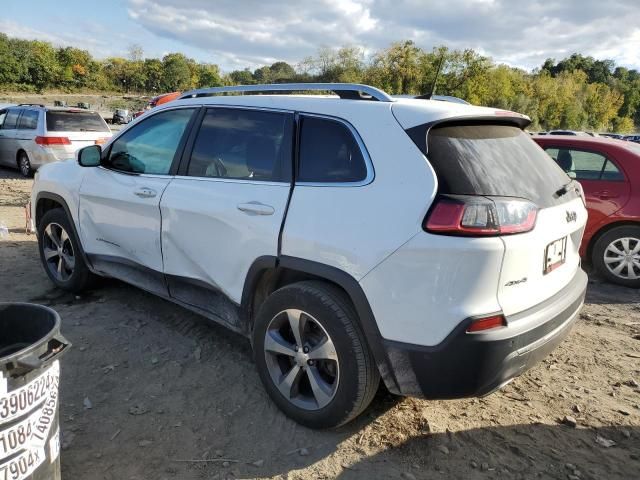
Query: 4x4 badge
pixel 571 216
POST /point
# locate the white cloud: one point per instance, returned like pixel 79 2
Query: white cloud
pixel 250 33
pixel 520 32
pixel 92 36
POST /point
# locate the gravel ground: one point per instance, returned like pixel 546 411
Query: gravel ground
pixel 152 391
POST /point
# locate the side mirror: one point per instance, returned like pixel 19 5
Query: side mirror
pixel 90 156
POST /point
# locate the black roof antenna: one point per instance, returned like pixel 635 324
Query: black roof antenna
pixel 427 96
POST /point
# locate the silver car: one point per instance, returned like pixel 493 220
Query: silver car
pixel 33 135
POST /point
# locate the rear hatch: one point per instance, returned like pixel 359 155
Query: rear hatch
pixel 80 127
pixel 498 164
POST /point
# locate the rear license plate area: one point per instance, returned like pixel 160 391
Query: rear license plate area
pixel 555 255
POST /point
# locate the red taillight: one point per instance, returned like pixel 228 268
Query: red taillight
pixel 48 141
pixel 469 215
pixel 486 323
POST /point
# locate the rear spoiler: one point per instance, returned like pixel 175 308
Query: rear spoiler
pixel 502 117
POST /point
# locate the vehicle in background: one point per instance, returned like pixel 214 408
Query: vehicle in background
pixel 632 138
pixel 84 105
pixel 158 100
pixel 569 132
pixel 121 116
pixel 33 135
pixel 616 136
pixel 448 286
pixel 609 172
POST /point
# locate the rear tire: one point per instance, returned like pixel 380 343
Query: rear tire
pixel 324 375
pixel 24 165
pixel 616 255
pixel 61 253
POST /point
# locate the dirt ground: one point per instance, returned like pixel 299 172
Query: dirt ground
pixel 152 391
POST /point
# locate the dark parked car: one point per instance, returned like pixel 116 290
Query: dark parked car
pixel 121 116
pixel 609 172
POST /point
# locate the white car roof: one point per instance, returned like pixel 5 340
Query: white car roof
pixel 408 112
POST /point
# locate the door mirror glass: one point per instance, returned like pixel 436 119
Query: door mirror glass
pixel 90 156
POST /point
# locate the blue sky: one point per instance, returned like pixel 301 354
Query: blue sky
pixel 105 28
pixel 250 33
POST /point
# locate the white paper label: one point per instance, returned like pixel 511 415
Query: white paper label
pixel 19 402
pixel 25 442
pixel 54 446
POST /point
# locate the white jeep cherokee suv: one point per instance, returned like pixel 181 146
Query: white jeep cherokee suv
pixel 351 237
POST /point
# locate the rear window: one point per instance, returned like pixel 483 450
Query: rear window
pixel 329 153
pixel 498 160
pixel 75 122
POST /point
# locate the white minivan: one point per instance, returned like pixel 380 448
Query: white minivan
pixel 32 135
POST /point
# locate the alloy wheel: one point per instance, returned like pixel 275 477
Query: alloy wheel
pixel 58 252
pixel 622 258
pixel 301 359
pixel 25 165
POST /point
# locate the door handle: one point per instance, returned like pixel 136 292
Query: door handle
pixel 145 192
pixel 256 208
pixel 605 195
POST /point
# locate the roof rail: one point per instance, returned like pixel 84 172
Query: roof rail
pixel 30 105
pixel 440 98
pixel 350 91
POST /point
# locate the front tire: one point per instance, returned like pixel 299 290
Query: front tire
pixel 616 255
pixel 24 165
pixel 311 355
pixel 61 253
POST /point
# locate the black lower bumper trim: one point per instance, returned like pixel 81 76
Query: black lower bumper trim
pixel 467 365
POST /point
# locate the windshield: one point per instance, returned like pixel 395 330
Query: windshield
pixel 498 160
pixel 75 122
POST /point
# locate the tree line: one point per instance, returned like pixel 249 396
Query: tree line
pixel 578 92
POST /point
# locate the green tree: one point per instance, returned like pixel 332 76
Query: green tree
pixel 176 73
pixel 209 75
pixel 152 69
pixel 241 77
pixel 42 65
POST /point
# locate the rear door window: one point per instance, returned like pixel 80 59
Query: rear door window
pixel 584 165
pixel 3 114
pixel 499 160
pixel 11 120
pixel 243 144
pixel 71 121
pixel 329 153
pixel 28 120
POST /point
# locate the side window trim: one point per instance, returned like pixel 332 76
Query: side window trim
pixel 363 151
pixel 607 159
pixel 179 151
pixel 183 168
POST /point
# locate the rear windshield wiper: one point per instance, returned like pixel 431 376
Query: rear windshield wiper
pixel 90 130
pixel 563 190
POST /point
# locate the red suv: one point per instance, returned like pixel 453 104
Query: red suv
pixel 609 172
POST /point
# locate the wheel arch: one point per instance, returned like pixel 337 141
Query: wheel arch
pixel 46 201
pixel 269 273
